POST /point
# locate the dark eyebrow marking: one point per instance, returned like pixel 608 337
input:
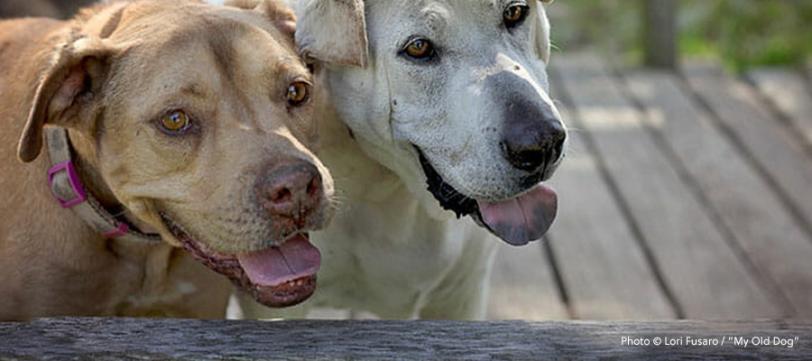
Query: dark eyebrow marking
pixel 194 90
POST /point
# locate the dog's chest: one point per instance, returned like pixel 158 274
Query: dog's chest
pixel 165 282
pixel 79 279
pixel 385 257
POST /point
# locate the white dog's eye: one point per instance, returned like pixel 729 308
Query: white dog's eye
pixel 515 14
pixel 419 49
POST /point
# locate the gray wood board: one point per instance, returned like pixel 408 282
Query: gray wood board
pixel 703 274
pixel 523 286
pixel 756 223
pixel 788 92
pixel 156 339
pixel 759 134
pixel 604 271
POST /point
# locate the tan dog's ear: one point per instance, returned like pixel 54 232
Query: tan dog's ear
pixel 333 31
pixel 541 32
pixel 66 89
pixel 276 10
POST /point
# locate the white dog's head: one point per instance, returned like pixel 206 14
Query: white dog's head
pixel 449 92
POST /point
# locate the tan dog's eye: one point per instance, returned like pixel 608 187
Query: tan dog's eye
pixel 419 48
pixel 298 93
pixel 515 15
pixel 175 121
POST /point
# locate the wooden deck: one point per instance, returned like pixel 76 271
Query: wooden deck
pixel 684 195
pixel 162 339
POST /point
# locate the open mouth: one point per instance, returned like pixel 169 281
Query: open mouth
pixel 279 276
pixel 517 221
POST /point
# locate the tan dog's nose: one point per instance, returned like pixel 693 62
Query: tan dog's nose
pixel 290 191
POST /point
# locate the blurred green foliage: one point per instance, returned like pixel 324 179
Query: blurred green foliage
pixel 742 33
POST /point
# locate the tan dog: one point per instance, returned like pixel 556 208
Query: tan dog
pixel 187 126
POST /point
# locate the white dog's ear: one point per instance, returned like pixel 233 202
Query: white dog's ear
pixel 333 31
pixel 542 32
pixel 68 87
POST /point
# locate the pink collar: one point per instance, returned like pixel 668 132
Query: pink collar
pixel 67 188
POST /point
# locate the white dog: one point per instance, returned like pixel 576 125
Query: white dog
pixel 437 110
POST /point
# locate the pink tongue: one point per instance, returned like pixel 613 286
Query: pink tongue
pixel 523 219
pixel 294 259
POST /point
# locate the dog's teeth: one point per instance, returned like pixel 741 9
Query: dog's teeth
pixel 295 283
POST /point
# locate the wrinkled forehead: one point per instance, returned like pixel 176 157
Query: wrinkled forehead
pixel 227 51
pixel 444 19
pixel 463 8
pixel 207 56
pixel 223 30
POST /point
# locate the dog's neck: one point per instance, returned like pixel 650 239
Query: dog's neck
pixel 357 175
pixel 85 158
pixel 352 169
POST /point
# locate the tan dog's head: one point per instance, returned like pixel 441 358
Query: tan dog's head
pixel 197 120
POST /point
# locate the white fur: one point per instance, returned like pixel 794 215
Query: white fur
pixel 392 250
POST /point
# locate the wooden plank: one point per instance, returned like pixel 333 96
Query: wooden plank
pixel 660 37
pixel 329 314
pixel 604 271
pixel 156 339
pixel 758 134
pixel 788 92
pixel 705 277
pixel 523 286
pixel 754 218
pixel 809 73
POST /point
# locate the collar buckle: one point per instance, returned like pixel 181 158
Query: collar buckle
pixel 69 170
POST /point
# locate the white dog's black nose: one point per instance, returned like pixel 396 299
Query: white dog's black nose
pixel 533 137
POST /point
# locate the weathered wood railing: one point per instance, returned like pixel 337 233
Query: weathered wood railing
pixel 661 33
pixel 144 339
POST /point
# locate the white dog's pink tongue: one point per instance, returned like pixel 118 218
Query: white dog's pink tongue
pixel 294 259
pixel 523 219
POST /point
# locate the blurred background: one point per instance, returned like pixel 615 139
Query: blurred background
pixel 49 8
pixel 686 189
pixel 741 33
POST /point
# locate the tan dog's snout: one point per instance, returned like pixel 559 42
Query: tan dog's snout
pixel 290 192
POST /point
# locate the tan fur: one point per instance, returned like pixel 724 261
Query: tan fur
pixel 282 16
pixel 228 68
